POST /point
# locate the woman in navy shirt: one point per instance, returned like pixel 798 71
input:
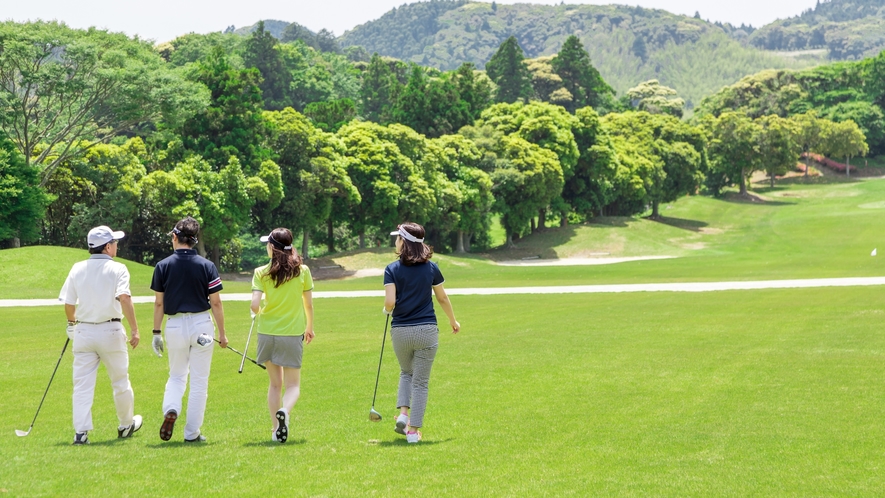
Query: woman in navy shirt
pixel 409 283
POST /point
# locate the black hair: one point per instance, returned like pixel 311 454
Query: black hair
pixel 186 230
pixel 98 249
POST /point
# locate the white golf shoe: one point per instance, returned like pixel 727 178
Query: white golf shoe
pixel 401 422
pixel 413 437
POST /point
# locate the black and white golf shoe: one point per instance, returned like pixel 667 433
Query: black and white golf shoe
pixel 199 439
pixel 81 438
pixel 130 430
pixel 168 425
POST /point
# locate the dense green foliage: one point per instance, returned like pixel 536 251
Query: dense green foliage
pixel 847 29
pixel 840 91
pixel 627 45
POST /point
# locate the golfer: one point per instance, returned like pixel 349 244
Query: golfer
pixel 186 288
pixel 408 285
pixel 96 296
pixel 285 323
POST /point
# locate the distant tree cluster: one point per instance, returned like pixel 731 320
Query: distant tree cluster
pixel 247 133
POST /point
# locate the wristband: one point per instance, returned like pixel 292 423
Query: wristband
pixel 157 332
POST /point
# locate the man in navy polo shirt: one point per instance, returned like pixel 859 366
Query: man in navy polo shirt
pixel 186 287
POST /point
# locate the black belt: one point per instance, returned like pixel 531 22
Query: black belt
pixel 106 321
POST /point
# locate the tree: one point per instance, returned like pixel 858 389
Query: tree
pixel 474 89
pixel 526 178
pixel 733 151
pixel 65 90
pixel 510 75
pixel 22 202
pixel 431 106
pixel 546 125
pixel 591 186
pixel 389 183
pixel 846 140
pixel 260 53
pixel 655 98
pixel 232 124
pixel 378 83
pixel 668 155
pixel 460 161
pixel 778 149
pixel 579 77
pixel 330 116
pixel 809 133
pixel 313 173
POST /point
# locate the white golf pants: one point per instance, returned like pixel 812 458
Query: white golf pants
pixel 94 344
pixel 188 356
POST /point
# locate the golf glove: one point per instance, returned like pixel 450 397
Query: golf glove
pixel 252 314
pixel 157 344
pixel 70 331
pixel 385 311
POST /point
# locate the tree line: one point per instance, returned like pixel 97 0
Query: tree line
pixel 98 128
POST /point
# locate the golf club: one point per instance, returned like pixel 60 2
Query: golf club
pixel 374 416
pixel 21 433
pixel 241 354
pixel 249 337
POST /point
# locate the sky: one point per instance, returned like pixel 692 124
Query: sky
pixel 163 20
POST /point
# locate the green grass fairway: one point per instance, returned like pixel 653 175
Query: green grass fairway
pixel 764 393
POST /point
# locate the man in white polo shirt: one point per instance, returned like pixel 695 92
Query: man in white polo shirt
pixel 96 296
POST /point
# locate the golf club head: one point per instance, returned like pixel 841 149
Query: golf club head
pixel 21 433
pixel 374 416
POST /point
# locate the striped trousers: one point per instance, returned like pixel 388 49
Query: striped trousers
pixel 415 347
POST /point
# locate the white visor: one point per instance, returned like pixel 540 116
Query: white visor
pixel 278 245
pixel 406 235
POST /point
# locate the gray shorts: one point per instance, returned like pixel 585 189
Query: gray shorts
pixel 282 350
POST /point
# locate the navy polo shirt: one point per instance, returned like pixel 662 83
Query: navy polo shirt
pixel 186 279
pixel 414 292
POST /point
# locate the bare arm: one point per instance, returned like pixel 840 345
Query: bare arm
pixel 218 314
pixel 443 299
pixel 129 313
pixel 389 296
pixel 256 301
pixel 307 298
pixel 71 312
pixel 158 310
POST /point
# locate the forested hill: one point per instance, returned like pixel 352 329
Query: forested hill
pixel 845 29
pixel 627 44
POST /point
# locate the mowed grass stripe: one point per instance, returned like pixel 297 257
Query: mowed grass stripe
pixel 772 392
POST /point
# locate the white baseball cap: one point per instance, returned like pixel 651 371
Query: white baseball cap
pixel 100 236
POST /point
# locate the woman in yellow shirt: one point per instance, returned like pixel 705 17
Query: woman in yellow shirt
pixel 284 324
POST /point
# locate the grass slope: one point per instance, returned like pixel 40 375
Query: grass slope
pixel 826 228
pixel 38 272
pixel 666 394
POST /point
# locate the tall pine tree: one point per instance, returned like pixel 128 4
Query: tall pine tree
pixel 579 77
pixel 261 54
pixel 507 70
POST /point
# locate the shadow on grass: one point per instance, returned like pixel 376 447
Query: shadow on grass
pixel 816 180
pixel 268 444
pixel 534 246
pixel 109 442
pixel 691 225
pixel 398 443
pixel 752 198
